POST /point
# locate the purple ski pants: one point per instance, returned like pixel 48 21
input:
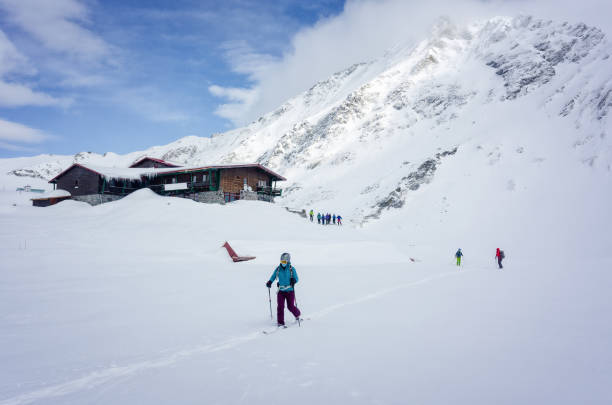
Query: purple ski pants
pixel 281 296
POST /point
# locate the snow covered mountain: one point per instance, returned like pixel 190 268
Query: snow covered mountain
pixel 494 135
pixel 520 91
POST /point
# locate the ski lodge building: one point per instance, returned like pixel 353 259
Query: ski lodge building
pixel 209 184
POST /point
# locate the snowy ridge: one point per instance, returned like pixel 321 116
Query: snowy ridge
pixel 451 91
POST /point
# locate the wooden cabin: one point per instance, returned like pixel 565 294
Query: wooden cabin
pixel 232 180
pixel 221 183
pixel 51 198
pixel 153 162
pixel 82 180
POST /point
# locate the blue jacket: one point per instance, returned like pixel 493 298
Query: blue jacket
pixel 284 274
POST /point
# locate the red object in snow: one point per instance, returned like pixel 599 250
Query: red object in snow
pixel 234 255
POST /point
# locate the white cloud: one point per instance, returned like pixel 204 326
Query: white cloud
pixel 17 95
pixel 365 30
pixel 13 135
pixel 58 25
pixel 12 94
pixel 68 54
pixel 241 101
pixel 10 58
pixel 243 58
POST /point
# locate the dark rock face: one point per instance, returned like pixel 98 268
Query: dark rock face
pixel 604 102
pixel 27 173
pixel 412 182
pixel 182 154
pixel 531 62
pixel 323 88
pixel 292 148
pixel 438 99
pixel 301 212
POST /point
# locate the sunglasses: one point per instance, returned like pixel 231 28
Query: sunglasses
pixel 283 261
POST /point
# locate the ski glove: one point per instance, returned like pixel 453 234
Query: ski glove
pixel 269 284
pixel 292 281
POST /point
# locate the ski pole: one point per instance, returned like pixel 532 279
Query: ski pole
pixel 270 301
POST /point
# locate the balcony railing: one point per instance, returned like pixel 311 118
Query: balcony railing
pixel 191 188
pixel 119 190
pixel 275 192
pixel 195 187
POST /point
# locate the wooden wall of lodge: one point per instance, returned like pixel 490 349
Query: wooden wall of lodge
pixel 45 202
pixel 232 180
pixel 79 181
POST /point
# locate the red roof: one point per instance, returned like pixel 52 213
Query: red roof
pixel 156 172
pixel 154 160
pixel 255 165
pixel 71 166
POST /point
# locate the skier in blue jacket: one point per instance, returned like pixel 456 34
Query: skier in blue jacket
pixel 287 277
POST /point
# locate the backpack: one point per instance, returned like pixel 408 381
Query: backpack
pixel 502 254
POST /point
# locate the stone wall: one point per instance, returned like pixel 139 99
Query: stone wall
pixel 265 197
pixel 97 199
pixel 209 197
pixel 248 195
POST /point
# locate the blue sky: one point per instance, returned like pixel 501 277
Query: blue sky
pixel 123 75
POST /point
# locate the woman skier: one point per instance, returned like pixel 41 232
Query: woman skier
pixel 287 277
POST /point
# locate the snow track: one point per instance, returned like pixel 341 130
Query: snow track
pixel 107 375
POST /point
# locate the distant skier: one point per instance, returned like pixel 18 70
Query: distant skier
pixel 318 217
pixel 500 256
pixel 334 218
pixel 339 219
pixel 311 216
pixel 328 218
pixel 459 255
pixel 287 277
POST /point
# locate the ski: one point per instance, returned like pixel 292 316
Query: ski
pixel 271 331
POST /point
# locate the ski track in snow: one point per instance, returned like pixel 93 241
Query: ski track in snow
pixel 103 376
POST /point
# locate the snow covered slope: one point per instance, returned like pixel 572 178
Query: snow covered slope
pixel 135 301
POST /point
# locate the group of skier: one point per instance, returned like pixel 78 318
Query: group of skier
pixel 499 256
pixel 287 277
pixel 326 219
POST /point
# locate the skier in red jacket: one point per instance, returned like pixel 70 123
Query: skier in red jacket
pixel 500 256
